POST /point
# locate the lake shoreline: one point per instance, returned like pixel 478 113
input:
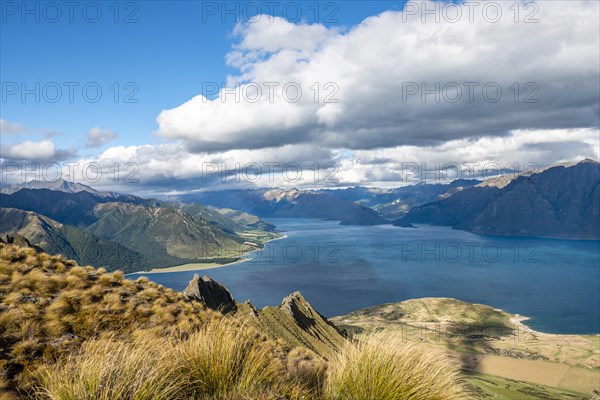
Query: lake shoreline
pixel 203 266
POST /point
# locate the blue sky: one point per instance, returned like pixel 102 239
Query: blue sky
pixel 166 49
pixel 381 60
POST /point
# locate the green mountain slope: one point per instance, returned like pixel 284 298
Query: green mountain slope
pixel 74 243
pixel 164 233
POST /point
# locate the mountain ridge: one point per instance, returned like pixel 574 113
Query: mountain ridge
pixel 290 203
pixel 559 202
pixel 157 233
pixel 294 321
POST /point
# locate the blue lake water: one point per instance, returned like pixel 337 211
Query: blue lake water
pixel 340 269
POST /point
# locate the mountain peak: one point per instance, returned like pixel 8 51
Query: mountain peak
pixel 60 185
pixel 283 194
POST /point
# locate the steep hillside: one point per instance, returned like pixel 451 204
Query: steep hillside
pixel 161 233
pixel 164 234
pixel 52 309
pixel 50 306
pixel 559 202
pixel 76 244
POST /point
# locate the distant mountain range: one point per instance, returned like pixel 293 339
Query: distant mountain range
pixel 561 201
pixel 291 203
pixel 125 231
pixel 131 233
pixel 352 206
pixel 395 202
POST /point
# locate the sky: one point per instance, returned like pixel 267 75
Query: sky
pixel 169 97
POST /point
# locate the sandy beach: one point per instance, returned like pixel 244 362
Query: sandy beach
pixel 518 321
pixel 201 266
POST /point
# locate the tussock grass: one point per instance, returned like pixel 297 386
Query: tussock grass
pixel 110 369
pixel 308 370
pixel 225 360
pixel 383 366
pixel 50 306
pixel 232 360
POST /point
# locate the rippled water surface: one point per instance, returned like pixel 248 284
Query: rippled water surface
pixel 343 268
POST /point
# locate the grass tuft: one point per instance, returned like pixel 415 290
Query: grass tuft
pixel 111 369
pixel 383 366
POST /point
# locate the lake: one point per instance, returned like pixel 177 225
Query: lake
pixel 340 269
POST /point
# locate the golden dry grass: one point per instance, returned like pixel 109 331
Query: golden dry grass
pixel 383 366
pixel 50 306
pixel 224 360
pixel 110 368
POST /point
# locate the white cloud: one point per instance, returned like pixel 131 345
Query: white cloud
pixel 28 150
pixel 271 34
pixel 16 128
pixel 371 133
pixel 477 158
pixel 97 137
pixel 170 167
pixel 374 63
pixel 10 127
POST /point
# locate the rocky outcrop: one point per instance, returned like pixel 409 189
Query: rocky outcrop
pixel 214 295
pixel 295 322
pixel 306 317
pixel 20 241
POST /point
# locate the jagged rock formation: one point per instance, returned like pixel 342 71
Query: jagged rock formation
pixel 20 241
pixel 211 293
pixel 295 322
pixel 299 324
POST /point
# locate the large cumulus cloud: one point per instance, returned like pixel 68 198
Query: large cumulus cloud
pixel 375 65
